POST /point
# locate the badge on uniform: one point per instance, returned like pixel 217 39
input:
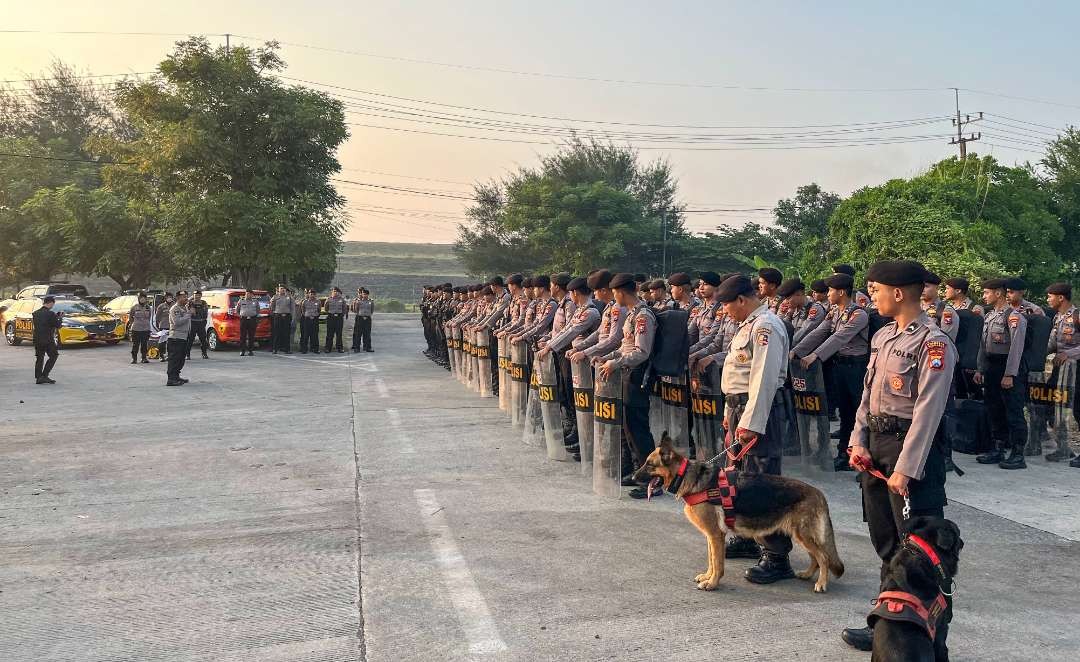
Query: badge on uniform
pixel 640 324
pixel 719 313
pixel 741 357
pixel 997 337
pixel 1014 320
pixel 896 382
pixel 946 318
pixel 812 314
pixel 763 337
pixel 798 383
pixel 935 355
pixel 614 314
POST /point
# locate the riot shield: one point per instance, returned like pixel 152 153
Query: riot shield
pixel 1050 402
pixel 504 380
pixel 551 407
pixel 707 405
pixel 451 353
pixel 519 386
pixel 656 410
pixel 459 353
pixel 968 338
pixel 483 362
pixel 674 401
pixel 1040 405
pixel 812 416
pixel 533 434
pixel 607 435
pixel 1036 342
pixel 582 374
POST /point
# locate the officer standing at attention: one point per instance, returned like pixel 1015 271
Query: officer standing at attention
pixel 768 282
pixel 46 326
pixel 682 294
pixel 844 341
pixel 608 336
pixel 755 368
pixel 179 330
pixel 199 310
pixel 638 333
pixel 804 313
pixel 282 308
pixel 247 309
pixel 139 326
pixel 940 313
pixel 1004 376
pixel 1064 345
pixel 956 293
pixel 1015 289
pixel 896 428
pixel 309 322
pixel 820 292
pixel 660 298
pixel 161 322
pixel 363 308
pixel 336 312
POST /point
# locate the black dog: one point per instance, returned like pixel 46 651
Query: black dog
pixel 917 588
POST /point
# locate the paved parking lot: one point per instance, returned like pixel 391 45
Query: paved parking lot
pixel 368 507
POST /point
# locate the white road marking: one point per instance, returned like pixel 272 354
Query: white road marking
pixel 380 386
pixel 404 447
pixel 472 610
pixel 341 363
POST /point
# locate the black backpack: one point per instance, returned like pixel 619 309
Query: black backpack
pixel 671 346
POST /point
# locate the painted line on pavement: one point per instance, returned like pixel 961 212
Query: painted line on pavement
pixel 404 447
pixel 380 386
pixel 472 609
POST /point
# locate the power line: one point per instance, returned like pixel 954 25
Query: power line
pixel 58 158
pixel 1020 98
pixel 392 174
pixel 114 34
pixel 44 78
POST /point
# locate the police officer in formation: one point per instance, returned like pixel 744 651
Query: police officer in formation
pixel 309 310
pixel 139 327
pixel 247 309
pixel 177 344
pixel 199 311
pixel 1003 376
pixel 282 309
pixel 363 308
pixel 1064 344
pixel 337 310
pixel 940 313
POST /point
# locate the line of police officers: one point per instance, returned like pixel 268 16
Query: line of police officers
pixel 889 354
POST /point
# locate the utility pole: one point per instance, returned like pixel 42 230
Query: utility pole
pixel 663 258
pixel 960 139
pixel 226 42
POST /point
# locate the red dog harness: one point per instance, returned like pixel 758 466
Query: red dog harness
pixel 903 606
pixel 722 495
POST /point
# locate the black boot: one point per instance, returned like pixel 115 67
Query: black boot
pixel 1075 462
pixel 133 361
pixel 742 548
pixel 993 457
pixel 859 638
pixel 771 568
pixel 1015 459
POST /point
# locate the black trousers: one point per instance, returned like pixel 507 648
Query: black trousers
pixel 198 329
pixel 139 341
pixel 282 332
pixel 248 325
pixel 177 357
pixel 361 334
pixel 1006 405
pixel 848 373
pixel 566 400
pixel 309 334
pixel 42 368
pixel 335 322
pixel 765 458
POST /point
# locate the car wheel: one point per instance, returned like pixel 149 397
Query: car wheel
pixel 9 335
pixel 212 341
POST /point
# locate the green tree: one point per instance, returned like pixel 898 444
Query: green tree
pixel 234 164
pixel 1062 165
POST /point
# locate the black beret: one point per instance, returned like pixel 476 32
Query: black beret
pixel 993 284
pixel 896 273
pixel 771 275
pixel 623 281
pixel 516 279
pixel 487 290
pixel 932 278
pixel 640 278
pixel 790 286
pixel 844 269
pixel 578 285
pixel 734 287
pixel 840 282
pixel 961 284
pixel 527 282
pixel 562 279
pixel 712 278
pixel 541 282
pixel 658 284
pixel 1015 283
pixel 476 288
pixel 496 280
pixel 1064 289
pixel 600 279
pixel 678 278
pixel 819 286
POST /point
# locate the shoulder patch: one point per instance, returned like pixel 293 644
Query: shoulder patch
pixel 1014 320
pixel 719 313
pixel 762 336
pixel 614 314
pixel 812 313
pixel 640 324
pixel 946 317
pixel 935 355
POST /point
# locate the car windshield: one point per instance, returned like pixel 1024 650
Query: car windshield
pixel 75 308
pixel 263 299
pixel 77 290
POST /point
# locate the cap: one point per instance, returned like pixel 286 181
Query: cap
pixel 1015 283
pixel 487 290
pixel 844 269
pixel 711 277
pixel 932 278
pixel 678 278
pixel 516 279
pixel 790 286
pixel 181 293
pixel 48 299
pixel 599 279
pixel 840 282
pixel 658 284
pixel 734 287
pixel 623 281
pixel 640 278
pixel 527 282
pixel 771 275
pixel 578 285
pixel 993 284
pixel 541 281
pixel 897 273
pixel 1064 289
pixel 961 284
pixel 197 292
pixel 496 280
pixel 819 286
pixel 562 279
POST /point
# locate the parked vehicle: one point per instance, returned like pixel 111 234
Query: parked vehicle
pixel 41 289
pixel 121 305
pixel 223 326
pixel 80 322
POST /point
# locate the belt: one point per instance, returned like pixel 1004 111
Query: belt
pixel 997 357
pixel 887 424
pixel 737 399
pixel 282 314
pixel 851 360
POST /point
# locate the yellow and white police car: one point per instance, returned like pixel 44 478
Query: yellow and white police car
pixel 80 322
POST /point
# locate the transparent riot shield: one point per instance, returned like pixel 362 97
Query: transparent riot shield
pixel 533 434
pixel 519 385
pixel 451 355
pixel 582 374
pixel 504 374
pixel 551 407
pixel 459 353
pixel 475 350
pixel 707 405
pixel 607 435
pixel 812 416
pixel 656 411
pixel 1040 407
pixel 1055 397
pixel 674 403
pixel 483 362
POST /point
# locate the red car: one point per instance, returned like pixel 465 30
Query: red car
pixel 223 326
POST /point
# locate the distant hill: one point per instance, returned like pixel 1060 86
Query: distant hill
pixel 395 270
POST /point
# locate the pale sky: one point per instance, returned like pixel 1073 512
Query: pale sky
pixel 1005 48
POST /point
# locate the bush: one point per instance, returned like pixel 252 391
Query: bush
pixel 390 306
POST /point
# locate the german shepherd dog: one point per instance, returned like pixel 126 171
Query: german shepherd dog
pixel 763 505
pixel 912 572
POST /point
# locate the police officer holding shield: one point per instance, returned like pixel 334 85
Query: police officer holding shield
pixel 1065 346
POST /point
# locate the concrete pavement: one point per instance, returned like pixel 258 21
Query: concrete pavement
pixel 350 507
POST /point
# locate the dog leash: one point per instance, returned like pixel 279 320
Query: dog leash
pixel 862 464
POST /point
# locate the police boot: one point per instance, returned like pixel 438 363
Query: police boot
pixel 1015 459
pixel 742 548
pixel 993 457
pixel 770 568
pixel 133 361
pixel 859 638
pixel 204 355
pixel 1075 463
